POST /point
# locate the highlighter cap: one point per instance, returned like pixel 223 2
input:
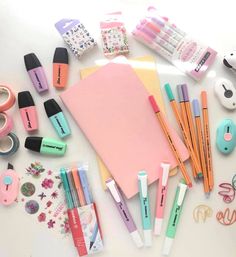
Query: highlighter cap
pixel 52 107
pixel 33 143
pixel 60 55
pixel 25 99
pixel 31 61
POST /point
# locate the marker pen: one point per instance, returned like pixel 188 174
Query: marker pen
pixel 161 197
pixel 145 207
pixel 27 111
pixel 45 145
pixel 36 72
pixel 60 67
pixel 57 118
pixel 174 217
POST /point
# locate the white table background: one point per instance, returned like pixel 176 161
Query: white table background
pixel 28 26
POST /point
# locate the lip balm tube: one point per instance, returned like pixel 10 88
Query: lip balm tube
pixel 57 118
pixel 36 72
pixel 27 111
pixel 45 145
pixel 60 67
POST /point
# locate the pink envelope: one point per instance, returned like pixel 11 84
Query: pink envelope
pixel 111 107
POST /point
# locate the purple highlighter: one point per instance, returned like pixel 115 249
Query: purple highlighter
pixel 36 72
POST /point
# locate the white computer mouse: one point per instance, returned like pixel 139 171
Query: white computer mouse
pixel 226 93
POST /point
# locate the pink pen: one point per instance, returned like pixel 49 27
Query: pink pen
pixel 148 41
pixel 161 197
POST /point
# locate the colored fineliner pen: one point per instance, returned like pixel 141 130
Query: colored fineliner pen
pixel 170 140
pixel 182 127
pixel 191 125
pixel 78 186
pixel 196 111
pixel 85 186
pixel 161 197
pixel 207 140
pixel 124 212
pixel 73 189
pixel 65 183
pixel 93 237
pixel 145 207
pixel 174 217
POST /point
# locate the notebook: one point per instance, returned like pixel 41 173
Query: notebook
pixel 111 107
pixel 145 68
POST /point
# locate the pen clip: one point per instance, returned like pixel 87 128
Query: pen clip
pixel 111 184
pixel 182 191
pixel 142 177
pixel 165 173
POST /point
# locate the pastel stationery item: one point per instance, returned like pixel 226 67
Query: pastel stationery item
pixel 124 212
pixel 161 197
pixel 6 124
pixel 186 53
pixel 28 111
pixel 145 68
pixel 57 118
pixel 174 217
pixel 181 124
pixel 85 186
pixel 9 144
pixel 207 139
pixel 198 123
pixel 36 72
pixel 76 36
pixel 191 127
pixel 171 142
pixel 145 207
pixel 45 145
pixel 60 67
pixel 86 232
pixel 7 98
pixel 105 125
pixel 78 186
pixel 114 36
pixel 9 185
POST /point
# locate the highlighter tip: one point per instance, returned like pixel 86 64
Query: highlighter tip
pixel 153 104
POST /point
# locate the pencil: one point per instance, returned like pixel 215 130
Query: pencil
pixel 185 121
pixel 170 140
pixel 207 139
pixel 190 124
pixel 198 123
pixel 181 124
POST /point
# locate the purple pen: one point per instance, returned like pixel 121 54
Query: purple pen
pixel 124 212
pixel 36 72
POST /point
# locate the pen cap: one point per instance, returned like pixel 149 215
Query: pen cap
pixel 52 107
pixel 25 99
pixel 169 92
pixel 180 93
pixel 60 55
pixel 196 108
pixel 33 143
pixel 185 92
pixel 31 61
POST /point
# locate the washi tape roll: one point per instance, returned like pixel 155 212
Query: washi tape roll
pixel 6 124
pixel 7 101
pixel 9 144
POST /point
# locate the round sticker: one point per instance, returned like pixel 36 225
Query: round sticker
pixel 31 207
pixel 28 189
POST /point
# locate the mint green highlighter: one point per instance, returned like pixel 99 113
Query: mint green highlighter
pixel 145 207
pixel 174 216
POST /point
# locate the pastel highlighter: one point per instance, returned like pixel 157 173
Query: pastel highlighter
pixel 28 111
pixel 60 67
pixel 36 72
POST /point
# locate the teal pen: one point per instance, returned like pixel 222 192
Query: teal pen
pixel 66 186
pixel 174 216
pixel 145 207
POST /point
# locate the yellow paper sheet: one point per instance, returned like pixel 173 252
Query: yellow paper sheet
pixel 145 68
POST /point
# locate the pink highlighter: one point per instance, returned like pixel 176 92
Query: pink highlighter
pixel 161 197
pixel 27 111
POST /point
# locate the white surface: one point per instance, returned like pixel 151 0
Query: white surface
pixel 27 26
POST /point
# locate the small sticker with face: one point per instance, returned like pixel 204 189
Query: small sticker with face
pixel 32 207
pixel 28 189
